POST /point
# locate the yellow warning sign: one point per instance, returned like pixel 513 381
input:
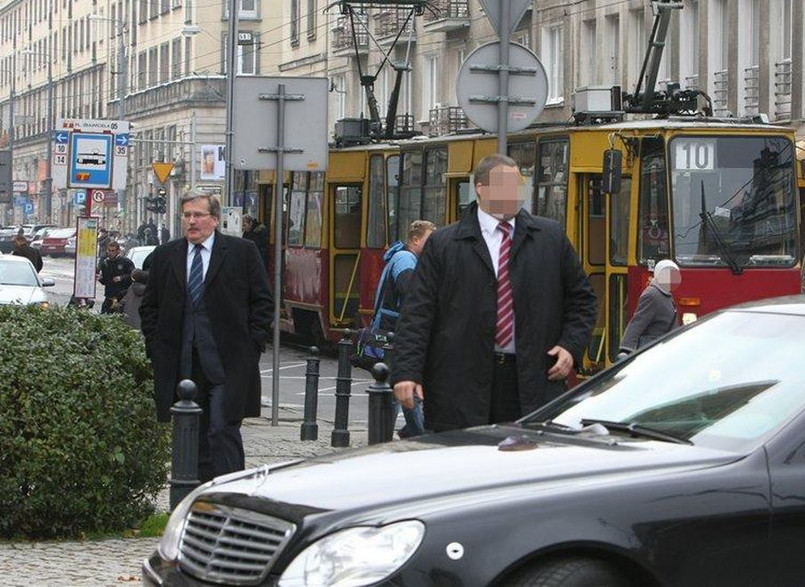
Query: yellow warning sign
pixel 162 170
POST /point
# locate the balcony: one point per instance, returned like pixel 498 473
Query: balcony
pixel 389 22
pixel 720 92
pixel 182 93
pixel 751 89
pixel 447 15
pixel 446 119
pixel 782 90
pixel 344 42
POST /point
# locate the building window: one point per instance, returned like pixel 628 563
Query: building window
pixel 248 53
pixel 143 10
pixel 311 20
pixel 637 44
pixel 689 46
pixel 165 6
pixel 587 61
pixel 295 23
pixel 153 67
pixel 247 10
pixel 612 38
pixel 429 86
pixel 164 63
pixel 176 59
pixel 552 40
pixel 187 53
pixel 142 70
pixel 338 87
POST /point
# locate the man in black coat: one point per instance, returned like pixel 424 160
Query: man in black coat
pixel 115 275
pixel 206 316
pixel 472 361
pixel 23 249
pixel 254 231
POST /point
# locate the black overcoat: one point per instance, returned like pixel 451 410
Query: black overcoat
pixel 445 335
pixel 239 305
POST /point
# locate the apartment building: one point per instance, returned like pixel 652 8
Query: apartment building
pixel 161 64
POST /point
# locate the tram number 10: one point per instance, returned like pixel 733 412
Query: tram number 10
pixel 694 154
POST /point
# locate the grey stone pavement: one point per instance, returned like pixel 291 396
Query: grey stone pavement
pixel 117 561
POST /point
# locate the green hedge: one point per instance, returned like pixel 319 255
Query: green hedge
pixel 80 448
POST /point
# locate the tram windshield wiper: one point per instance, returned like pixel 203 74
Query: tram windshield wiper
pixel 723 248
pixel 636 430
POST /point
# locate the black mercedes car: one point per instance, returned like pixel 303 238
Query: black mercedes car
pixel 682 465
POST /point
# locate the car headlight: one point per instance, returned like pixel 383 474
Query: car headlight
pixel 355 556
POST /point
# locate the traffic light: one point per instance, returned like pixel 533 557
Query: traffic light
pixel 158 204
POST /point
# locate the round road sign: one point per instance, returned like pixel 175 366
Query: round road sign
pixel 477 90
pixel 98 196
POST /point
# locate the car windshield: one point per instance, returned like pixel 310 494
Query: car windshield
pixel 734 198
pixel 728 383
pixel 12 273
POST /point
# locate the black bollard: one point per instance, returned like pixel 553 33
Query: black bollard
pixel 381 412
pixel 343 386
pixel 310 430
pixel 388 359
pixel 184 462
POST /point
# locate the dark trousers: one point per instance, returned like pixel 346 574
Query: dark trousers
pixel 220 445
pixel 504 405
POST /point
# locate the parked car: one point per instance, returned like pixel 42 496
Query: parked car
pixel 55 242
pixel 70 246
pixel 39 236
pixel 20 284
pixel 683 464
pixel 138 254
pixel 7 234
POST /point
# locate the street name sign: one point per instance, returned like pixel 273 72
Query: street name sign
pixel 90 153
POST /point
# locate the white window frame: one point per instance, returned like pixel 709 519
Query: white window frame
pixel 429 85
pixel 552 42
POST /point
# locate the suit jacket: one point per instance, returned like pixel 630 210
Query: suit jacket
pixel 445 335
pixel 239 304
pixel 655 316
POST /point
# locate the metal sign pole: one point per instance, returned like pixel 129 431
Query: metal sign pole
pixel 278 229
pixel 503 105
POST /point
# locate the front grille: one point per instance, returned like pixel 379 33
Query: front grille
pixel 229 545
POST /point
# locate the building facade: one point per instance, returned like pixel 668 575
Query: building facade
pixel 161 64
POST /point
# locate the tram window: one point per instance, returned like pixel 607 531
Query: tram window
pixel 617 313
pixel 313 217
pixel 376 225
pixel 525 154
pixel 347 217
pixel 619 206
pixel 435 199
pixel 465 196
pixel 392 177
pixel 410 204
pixel 596 222
pixel 551 196
pixel 296 219
pixel 652 234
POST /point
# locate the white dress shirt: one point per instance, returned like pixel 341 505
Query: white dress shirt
pixel 206 252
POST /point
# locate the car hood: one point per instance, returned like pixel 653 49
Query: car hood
pixel 470 460
pixel 21 294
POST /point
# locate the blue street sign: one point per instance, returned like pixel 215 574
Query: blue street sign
pixel 90 160
pixel 61 136
pixel 21 200
pixel 29 207
pixel 122 140
pixel 79 197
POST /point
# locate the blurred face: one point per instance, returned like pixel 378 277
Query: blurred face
pixel 505 194
pixel 418 243
pixel 112 250
pixel 197 222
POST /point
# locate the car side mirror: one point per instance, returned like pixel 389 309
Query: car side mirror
pixel 613 169
pixel 48 283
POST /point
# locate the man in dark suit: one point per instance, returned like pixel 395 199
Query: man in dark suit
pixel 498 313
pixel 206 316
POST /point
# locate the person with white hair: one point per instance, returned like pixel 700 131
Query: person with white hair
pixel 656 313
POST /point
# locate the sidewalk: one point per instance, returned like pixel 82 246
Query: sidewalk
pixel 117 562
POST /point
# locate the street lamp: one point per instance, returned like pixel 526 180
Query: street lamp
pixel 50 127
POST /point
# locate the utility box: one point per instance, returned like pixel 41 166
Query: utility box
pixel 352 131
pixel 594 99
pixel 232 220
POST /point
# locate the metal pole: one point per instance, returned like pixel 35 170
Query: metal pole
pixel 122 89
pixel 193 151
pixel 275 379
pixel 310 430
pixel 231 71
pixel 503 105
pixel 343 386
pixel 50 125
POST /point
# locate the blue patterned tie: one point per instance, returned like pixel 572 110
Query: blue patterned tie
pixel 195 283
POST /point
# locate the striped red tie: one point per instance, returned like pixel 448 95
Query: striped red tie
pixel 505 323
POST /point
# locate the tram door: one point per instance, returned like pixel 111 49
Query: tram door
pixel 593 228
pixel 344 290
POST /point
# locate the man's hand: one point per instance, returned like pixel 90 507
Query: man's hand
pixel 404 392
pixel 563 365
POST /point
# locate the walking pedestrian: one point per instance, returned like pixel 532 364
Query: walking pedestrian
pixel 23 249
pixel 254 231
pixel 134 297
pixel 164 234
pixel 115 275
pixel 206 316
pixel 498 313
pixel 656 313
pixel 401 260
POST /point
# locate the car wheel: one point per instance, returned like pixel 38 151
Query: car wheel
pixel 570 572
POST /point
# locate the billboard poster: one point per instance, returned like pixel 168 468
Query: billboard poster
pixel 213 162
pixel 86 257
